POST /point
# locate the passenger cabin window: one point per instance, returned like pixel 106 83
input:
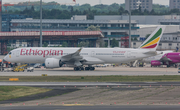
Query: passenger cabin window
pixel 9 53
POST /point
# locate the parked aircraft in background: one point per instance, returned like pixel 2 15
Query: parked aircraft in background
pixel 168 59
pixel 78 57
pixel 159 55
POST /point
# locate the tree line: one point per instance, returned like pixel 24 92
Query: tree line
pixel 66 12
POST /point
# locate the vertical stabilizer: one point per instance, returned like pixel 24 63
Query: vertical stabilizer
pixel 153 40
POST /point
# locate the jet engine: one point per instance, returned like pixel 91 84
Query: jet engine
pixel 53 63
pixel 156 63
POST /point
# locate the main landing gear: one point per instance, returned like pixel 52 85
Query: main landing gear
pixel 84 69
pixel 89 68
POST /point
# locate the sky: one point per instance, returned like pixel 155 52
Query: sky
pixel 92 2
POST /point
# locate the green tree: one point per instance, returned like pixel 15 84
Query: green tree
pixel 53 10
pixel 146 12
pixel 114 43
pixel 64 44
pixel 45 44
pixel 132 39
pixel 121 10
pixel 102 43
pixel 152 12
pixel 32 8
pixel 83 44
pixel 135 38
pixel 93 28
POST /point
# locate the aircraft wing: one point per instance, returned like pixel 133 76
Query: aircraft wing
pixel 76 59
pixel 73 56
pixel 165 59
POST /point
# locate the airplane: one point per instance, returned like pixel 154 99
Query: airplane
pixel 149 59
pixel 79 57
pixel 159 55
pixel 168 59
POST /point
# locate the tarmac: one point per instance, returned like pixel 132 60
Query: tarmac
pixel 89 84
pixel 98 72
pixel 167 107
pixel 99 95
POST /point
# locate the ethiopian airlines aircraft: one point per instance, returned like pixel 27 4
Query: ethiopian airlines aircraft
pixel 77 57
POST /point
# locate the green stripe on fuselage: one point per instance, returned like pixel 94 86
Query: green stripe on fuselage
pixel 154 37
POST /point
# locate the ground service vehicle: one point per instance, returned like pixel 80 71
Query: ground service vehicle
pixel 20 68
pixel 30 69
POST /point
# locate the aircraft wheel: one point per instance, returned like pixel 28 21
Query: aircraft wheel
pixel 82 68
pixel 175 66
pixel 92 68
pixel 79 68
pixel 75 68
pixel 86 68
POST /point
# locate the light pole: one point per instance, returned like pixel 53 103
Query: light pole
pixel 40 23
pixel 129 23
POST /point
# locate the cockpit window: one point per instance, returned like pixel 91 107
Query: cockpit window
pixel 9 53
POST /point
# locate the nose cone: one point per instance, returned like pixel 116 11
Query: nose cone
pixel 6 58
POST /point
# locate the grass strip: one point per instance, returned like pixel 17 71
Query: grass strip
pixel 94 78
pixel 12 92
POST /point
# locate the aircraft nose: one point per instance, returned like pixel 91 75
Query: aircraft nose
pixel 6 58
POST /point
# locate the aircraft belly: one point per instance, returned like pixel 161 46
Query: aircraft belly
pixel 93 62
pixel 113 59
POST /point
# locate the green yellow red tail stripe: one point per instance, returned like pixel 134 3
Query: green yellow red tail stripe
pixel 152 43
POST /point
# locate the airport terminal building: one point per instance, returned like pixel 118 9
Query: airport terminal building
pixel 147 24
pixel 111 27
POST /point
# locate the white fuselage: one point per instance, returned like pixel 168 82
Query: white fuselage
pixel 104 55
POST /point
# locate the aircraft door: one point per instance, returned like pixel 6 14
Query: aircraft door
pixel 129 54
pixel 92 54
pixel 17 53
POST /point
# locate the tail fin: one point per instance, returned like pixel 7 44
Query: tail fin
pixel 153 40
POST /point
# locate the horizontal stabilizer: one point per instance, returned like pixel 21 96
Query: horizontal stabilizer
pixel 165 59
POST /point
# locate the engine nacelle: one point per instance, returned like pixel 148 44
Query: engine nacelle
pixel 156 63
pixel 53 63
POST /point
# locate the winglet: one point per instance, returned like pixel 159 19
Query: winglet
pixel 153 40
pixel 78 51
